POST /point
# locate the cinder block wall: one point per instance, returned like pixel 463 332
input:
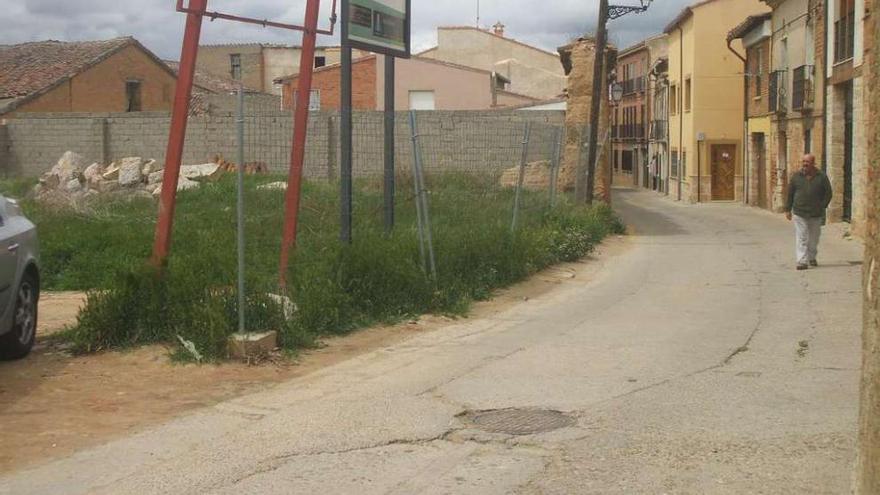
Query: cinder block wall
pixel 482 141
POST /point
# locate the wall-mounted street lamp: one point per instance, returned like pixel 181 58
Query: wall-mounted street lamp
pixel 616 93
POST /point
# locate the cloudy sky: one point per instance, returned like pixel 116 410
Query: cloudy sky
pixel 545 23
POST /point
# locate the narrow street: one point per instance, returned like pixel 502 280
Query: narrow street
pixel 694 359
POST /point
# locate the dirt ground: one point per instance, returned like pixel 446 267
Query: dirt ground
pixel 53 404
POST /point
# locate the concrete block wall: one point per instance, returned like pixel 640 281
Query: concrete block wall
pixel 462 141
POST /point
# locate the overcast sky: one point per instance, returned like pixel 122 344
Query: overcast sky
pixel 545 23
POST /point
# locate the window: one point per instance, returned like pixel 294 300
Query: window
pixel 844 31
pixel 235 63
pixel 808 141
pixel 673 163
pixel 132 96
pixel 687 95
pixel 421 100
pixel 314 100
pixel 758 71
pixel 673 99
pixel 320 62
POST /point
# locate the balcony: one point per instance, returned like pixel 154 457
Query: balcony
pixel 802 88
pixel 659 130
pixel 635 85
pixel 778 91
pixel 629 131
pixel 844 38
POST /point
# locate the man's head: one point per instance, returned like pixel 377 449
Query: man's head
pixel 808 164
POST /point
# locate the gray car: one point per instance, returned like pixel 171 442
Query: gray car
pixel 19 281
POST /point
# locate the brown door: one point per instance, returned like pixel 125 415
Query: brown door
pixel 723 171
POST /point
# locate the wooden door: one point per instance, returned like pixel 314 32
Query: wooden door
pixel 723 172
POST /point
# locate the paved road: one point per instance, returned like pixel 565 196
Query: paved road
pixel 696 361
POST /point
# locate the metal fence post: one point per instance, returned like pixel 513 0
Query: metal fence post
pixel 239 124
pixel 522 171
pixel 554 164
pixel 426 239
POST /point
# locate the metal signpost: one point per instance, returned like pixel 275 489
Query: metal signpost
pixel 379 26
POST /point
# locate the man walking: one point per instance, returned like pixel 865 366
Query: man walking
pixel 809 194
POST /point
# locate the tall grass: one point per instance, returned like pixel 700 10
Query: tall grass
pixel 336 288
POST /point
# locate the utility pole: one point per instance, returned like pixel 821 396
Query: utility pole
pixel 586 182
pixel 586 193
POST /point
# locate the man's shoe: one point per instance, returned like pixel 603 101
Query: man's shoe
pixel 802 266
pixel 814 263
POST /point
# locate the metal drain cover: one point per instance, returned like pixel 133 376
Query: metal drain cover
pixel 519 421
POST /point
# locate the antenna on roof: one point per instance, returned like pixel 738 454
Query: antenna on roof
pixel 478 14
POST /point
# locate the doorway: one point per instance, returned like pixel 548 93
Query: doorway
pixel 723 172
pixel 760 168
pixel 848 152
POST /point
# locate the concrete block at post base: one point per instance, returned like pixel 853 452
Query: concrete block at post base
pixel 252 345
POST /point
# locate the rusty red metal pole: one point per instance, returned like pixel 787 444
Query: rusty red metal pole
pixel 177 134
pixel 300 129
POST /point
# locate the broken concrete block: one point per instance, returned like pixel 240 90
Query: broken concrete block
pixel 279 186
pixel 155 177
pixel 73 186
pixel 288 307
pixel 130 171
pixel 183 184
pixel 92 173
pixel 150 166
pixel 252 345
pixel 112 172
pixel 207 171
pixel 69 166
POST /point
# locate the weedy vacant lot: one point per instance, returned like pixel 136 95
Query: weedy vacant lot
pixel 101 247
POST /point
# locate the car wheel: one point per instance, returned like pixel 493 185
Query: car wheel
pixel 18 343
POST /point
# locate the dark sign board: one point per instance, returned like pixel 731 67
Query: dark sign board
pixel 379 26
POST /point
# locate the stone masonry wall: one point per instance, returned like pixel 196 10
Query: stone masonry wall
pixel 868 464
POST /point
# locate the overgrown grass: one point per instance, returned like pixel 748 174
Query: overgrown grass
pixel 336 288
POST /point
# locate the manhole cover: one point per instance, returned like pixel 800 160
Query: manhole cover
pixel 519 421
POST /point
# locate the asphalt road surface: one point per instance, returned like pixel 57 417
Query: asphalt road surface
pixel 696 360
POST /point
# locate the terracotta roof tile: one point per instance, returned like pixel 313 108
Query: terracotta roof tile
pixel 28 68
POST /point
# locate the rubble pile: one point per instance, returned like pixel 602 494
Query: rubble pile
pixel 71 180
pixel 536 176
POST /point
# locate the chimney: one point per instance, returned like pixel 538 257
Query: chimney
pixel 498 29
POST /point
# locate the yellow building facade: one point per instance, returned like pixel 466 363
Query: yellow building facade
pixel 706 103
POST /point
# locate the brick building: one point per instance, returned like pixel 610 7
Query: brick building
pixel 420 84
pixel 658 113
pixel 117 75
pixel 630 117
pixel 258 65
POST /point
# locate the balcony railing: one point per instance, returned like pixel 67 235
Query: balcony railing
pixel 635 85
pixel 629 131
pixel 844 38
pixel 802 88
pixel 659 130
pixel 778 90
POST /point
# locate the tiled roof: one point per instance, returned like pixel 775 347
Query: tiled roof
pixel 206 81
pixel 29 68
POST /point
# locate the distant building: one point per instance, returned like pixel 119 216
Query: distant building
pixel 117 75
pixel 532 71
pixel 420 84
pixel 706 101
pixel 629 139
pixel 258 65
pixel 658 113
